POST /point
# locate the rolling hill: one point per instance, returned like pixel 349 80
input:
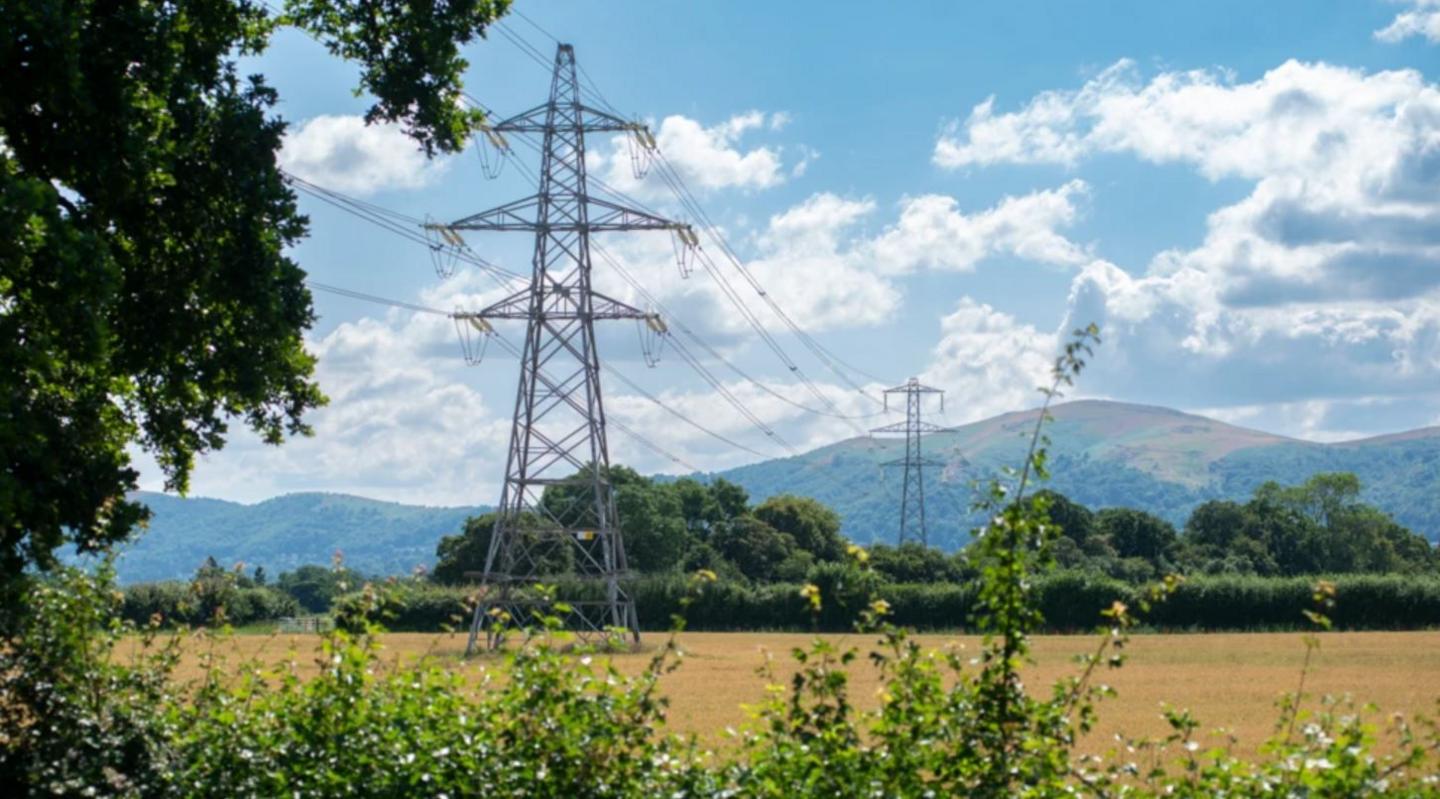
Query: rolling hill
pixel 284 532
pixel 1102 454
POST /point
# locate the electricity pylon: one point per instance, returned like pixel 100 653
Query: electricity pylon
pixel 912 498
pixel 557 507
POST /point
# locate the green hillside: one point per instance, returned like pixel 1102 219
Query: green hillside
pixel 285 532
pixel 1103 454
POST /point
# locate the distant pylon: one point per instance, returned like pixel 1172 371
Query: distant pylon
pixel 912 498
pixel 557 439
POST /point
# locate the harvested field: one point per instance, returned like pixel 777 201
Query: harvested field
pixel 1227 680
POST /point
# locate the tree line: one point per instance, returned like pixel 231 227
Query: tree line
pixel 1317 527
pixel 1258 548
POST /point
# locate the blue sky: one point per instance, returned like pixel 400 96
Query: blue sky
pixel 1246 196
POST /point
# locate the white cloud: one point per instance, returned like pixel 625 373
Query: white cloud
pixel 813 269
pixel 827 277
pixel 406 422
pixel 1422 19
pixel 409 422
pixel 706 158
pixel 808 156
pixel 816 262
pixel 1295 120
pixel 933 233
pixel 1308 420
pixel 1329 270
pixel 988 362
pixel 345 154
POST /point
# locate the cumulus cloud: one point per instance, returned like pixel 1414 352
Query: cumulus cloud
pixel 407 421
pixel 819 264
pixel 989 362
pixel 1293 121
pixel 828 276
pixel 1422 19
pixel 345 154
pixel 706 158
pixel 1331 265
pixel 932 232
pixel 1314 419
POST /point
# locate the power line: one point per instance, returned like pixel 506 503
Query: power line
pixel 369 212
pixel 833 413
pixel 390 221
pixel 511 348
pixel 358 295
pixel 687 199
pixel 678 415
pixel 685 330
pixel 522 45
pixel 672 178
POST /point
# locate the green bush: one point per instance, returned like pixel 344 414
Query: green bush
pixel 1068 602
pixel 198 603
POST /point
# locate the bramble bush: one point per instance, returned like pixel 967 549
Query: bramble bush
pixel 553 718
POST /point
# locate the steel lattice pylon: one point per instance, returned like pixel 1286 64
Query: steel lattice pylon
pixel 557 440
pixel 912 498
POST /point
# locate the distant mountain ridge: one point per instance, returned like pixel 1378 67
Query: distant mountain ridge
pixel 284 532
pixel 1102 454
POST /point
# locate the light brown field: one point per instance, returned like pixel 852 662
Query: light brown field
pixel 1228 681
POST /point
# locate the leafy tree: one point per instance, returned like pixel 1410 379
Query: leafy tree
pixel 706 506
pixel 912 562
pixel 653 525
pixel 1216 523
pixel 756 548
pixel 702 555
pixel 697 505
pixel 458 555
pixel 1327 496
pixel 1249 556
pixel 1319 526
pixel 732 500
pixel 1135 533
pixel 1069 555
pixel 1076 521
pixel 464 552
pixel 650 514
pixel 316 587
pixel 815 528
pixel 146 292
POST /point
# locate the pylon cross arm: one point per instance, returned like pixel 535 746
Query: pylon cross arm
pixel 591 120
pixel 909 426
pixel 913 388
pixel 601 215
pixel 918 461
pixel 605 215
pixel 516 306
pixel 514 215
pixel 603 307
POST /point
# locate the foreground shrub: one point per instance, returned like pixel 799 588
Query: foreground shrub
pixel 73 720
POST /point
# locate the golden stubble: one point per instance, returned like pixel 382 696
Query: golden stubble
pixel 1228 681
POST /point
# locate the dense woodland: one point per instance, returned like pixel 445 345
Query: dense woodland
pixel 1319 527
pixel 1263 549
